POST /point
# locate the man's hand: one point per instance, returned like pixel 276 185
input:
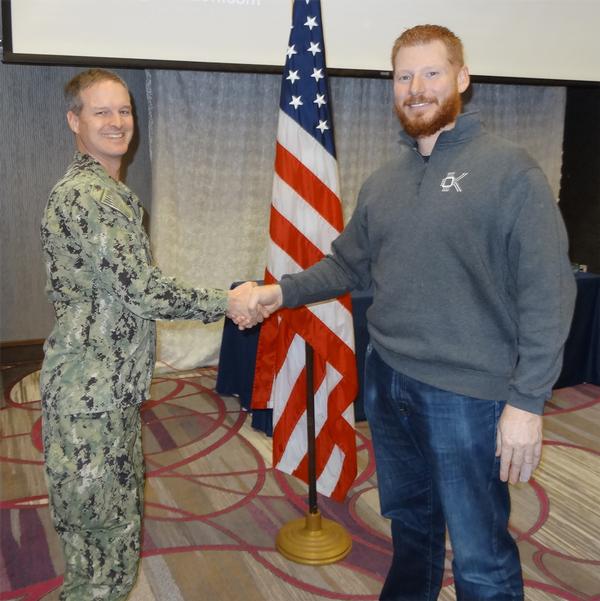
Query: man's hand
pixel 266 299
pixel 250 304
pixel 518 444
pixel 238 309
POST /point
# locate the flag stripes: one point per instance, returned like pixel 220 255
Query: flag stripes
pixel 308 185
pixel 305 218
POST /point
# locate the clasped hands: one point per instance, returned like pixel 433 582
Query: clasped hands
pixel 249 303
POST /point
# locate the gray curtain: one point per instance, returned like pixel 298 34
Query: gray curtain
pixel 212 141
pixel 531 116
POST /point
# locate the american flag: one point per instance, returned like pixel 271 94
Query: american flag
pixel 306 216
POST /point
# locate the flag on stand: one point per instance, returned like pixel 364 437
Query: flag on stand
pixel 306 216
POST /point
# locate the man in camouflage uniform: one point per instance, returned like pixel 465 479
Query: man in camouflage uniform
pixel 100 355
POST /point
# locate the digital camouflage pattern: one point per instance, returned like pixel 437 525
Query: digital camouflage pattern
pixel 95 474
pixel 106 294
pixel 97 370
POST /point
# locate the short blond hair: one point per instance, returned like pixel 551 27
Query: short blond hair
pixel 424 34
pixel 84 80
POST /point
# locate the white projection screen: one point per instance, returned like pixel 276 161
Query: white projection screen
pixel 553 40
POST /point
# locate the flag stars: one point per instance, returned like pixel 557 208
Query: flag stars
pixel 314 48
pixel 296 101
pixel 320 100
pixel 291 51
pixel 317 74
pixel 322 126
pixel 311 22
pixel 293 75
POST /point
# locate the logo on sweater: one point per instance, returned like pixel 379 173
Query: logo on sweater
pixel 451 181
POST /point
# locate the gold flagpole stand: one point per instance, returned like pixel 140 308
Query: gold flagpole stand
pixel 313 539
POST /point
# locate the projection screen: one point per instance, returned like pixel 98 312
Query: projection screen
pixel 516 39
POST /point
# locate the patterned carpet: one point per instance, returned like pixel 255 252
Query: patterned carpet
pixel 214 505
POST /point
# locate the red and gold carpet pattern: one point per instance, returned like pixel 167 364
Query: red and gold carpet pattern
pixel 214 505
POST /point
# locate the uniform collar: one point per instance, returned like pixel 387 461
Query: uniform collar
pixel 82 160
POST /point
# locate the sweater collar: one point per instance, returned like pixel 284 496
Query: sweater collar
pixel 467 126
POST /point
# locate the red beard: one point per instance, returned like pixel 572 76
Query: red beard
pixel 419 126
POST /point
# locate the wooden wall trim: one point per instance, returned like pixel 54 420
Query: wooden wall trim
pixel 16 352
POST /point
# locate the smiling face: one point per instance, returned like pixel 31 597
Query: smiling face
pixel 103 126
pixel 427 88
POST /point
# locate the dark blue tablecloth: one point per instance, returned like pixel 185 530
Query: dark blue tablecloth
pixel 581 360
pixel 236 371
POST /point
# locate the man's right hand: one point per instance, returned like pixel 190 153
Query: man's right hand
pixel 259 302
pixel 266 299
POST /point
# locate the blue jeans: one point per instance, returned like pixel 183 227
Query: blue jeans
pixel 436 468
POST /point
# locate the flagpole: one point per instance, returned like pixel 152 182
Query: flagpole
pixel 312 540
pixel 306 185
pixel 310 431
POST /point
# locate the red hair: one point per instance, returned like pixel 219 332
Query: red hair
pixel 424 34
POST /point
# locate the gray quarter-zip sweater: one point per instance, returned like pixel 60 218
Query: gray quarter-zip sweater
pixel 467 256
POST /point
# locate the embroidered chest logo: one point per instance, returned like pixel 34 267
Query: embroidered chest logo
pixel 451 181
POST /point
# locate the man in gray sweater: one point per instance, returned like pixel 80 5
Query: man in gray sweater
pixel 463 244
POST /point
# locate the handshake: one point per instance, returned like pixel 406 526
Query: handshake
pixel 249 304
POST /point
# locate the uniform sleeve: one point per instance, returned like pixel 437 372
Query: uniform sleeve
pixel 345 269
pixel 546 291
pixel 117 251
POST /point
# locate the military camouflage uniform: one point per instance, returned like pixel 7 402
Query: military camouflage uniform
pixel 97 370
pixel 95 475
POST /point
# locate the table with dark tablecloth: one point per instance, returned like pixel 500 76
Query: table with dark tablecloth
pixel 581 359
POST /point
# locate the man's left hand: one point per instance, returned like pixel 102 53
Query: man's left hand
pixel 518 444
